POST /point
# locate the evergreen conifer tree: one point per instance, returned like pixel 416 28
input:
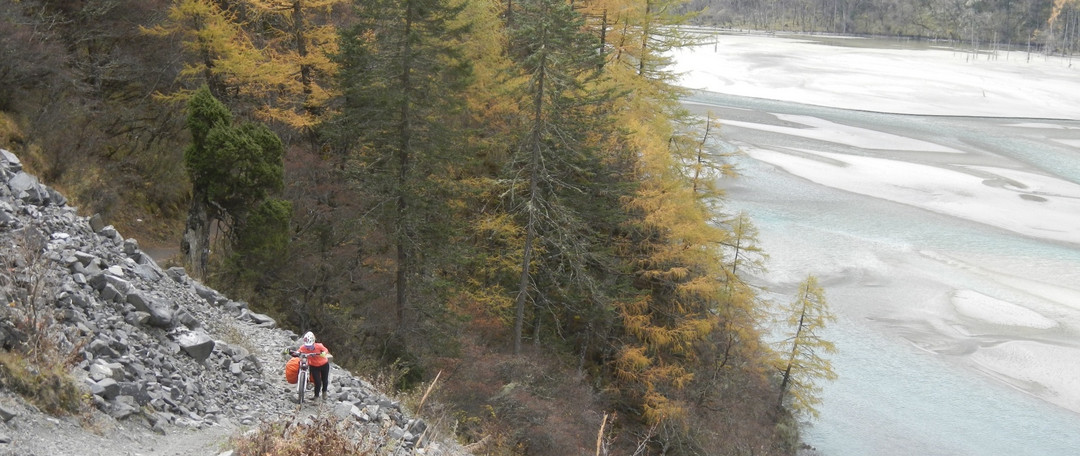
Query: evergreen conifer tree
pixel 402 74
pixel 233 169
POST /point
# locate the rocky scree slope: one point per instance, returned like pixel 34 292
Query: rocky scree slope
pixel 168 362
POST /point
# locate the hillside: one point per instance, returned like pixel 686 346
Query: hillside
pixel 1041 25
pixel 164 364
pixel 457 187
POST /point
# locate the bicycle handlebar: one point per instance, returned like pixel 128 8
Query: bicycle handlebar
pixel 298 354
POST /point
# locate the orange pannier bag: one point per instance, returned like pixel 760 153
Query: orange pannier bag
pixel 292 370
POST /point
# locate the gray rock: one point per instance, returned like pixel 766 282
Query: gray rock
pixel 100 370
pixel 131 247
pixel 211 296
pixel 140 301
pixel 117 370
pixel 177 274
pixel 98 280
pixel 110 233
pixel 97 223
pixel 158 421
pixel 5 413
pixel 115 270
pixel 160 315
pixel 187 319
pixel 232 308
pixel 123 407
pixel 416 426
pixel 137 318
pixel 345 410
pixel 148 272
pixel 10 160
pixel 91 269
pixel 257 319
pixel 101 348
pixel 110 294
pixel 135 390
pixel 55 197
pixel 107 388
pixel 27 188
pixel 196 344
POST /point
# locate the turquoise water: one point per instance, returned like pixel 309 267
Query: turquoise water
pixel 893 399
pixel 879 263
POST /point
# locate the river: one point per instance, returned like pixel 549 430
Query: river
pixel 958 329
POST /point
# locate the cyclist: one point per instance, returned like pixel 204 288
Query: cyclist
pixel 319 364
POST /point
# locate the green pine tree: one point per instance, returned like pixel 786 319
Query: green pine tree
pixel 402 75
pixel 554 163
pixel 233 169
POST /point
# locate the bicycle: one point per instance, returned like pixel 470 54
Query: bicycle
pixel 302 375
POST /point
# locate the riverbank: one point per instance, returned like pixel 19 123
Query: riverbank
pixel 936 237
pixel 882 76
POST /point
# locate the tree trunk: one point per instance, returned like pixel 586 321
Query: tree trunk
pixel 195 245
pixel 404 151
pixel 701 151
pixel 603 39
pixel 791 359
pixel 301 49
pixel 534 176
pixel 784 384
pixel 645 31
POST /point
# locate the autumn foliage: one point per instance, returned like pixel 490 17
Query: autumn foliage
pixel 507 192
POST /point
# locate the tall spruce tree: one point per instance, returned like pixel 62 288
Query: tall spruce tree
pixel 550 46
pixel 402 73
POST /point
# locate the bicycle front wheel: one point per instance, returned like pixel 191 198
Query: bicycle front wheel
pixel 301 386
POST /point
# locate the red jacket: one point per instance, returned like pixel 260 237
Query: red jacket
pixel 316 361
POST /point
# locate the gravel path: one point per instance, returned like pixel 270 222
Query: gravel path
pixel 31 433
pixel 171 366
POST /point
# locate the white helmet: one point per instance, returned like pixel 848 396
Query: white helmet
pixel 309 339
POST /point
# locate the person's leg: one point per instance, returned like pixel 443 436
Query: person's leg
pixel 324 373
pixel 316 374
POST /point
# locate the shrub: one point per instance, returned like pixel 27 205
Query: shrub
pixel 324 435
pixel 38 361
pixel 50 388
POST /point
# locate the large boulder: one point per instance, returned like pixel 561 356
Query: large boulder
pixel 107 388
pixel 196 344
pixel 27 188
pixel 5 413
pixel 11 161
pixel 160 314
pixel 257 319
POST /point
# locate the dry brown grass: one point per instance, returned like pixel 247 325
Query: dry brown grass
pixel 38 362
pixel 521 405
pixel 326 435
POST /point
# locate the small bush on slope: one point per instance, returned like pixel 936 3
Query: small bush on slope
pixel 50 388
pixel 323 436
pixel 36 358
